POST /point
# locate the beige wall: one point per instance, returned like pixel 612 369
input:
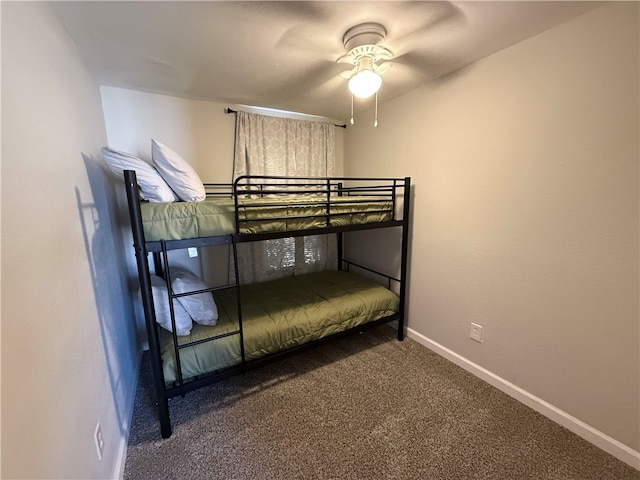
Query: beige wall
pixel 525 168
pixel 69 352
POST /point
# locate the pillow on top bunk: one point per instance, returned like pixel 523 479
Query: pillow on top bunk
pixel 200 307
pixel 161 306
pixel 181 176
pixel 152 186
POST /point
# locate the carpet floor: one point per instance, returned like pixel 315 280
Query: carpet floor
pixel 360 407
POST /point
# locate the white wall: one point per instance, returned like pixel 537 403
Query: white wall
pixel 69 352
pixel 525 167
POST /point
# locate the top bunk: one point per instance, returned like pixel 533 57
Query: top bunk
pixel 264 207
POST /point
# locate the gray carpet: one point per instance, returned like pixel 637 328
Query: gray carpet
pixel 361 407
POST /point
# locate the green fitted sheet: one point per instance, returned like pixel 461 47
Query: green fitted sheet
pixel 278 315
pixel 211 217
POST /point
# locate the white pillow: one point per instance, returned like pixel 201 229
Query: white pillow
pixel 161 306
pixel 201 307
pixel 180 176
pixel 152 186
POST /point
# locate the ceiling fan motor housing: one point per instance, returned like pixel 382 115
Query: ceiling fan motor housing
pixel 362 41
pixel 363 34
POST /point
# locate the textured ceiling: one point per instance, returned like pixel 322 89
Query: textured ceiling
pixel 283 54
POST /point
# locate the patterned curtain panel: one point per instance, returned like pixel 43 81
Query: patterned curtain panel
pixel 282 146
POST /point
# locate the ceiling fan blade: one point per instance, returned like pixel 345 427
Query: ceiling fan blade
pixel 429 62
pixel 438 15
pixel 303 39
pixel 348 73
pixel 310 77
pixel 297 10
pixel 330 86
pixel 384 67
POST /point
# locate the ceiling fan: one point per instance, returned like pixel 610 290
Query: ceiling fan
pixel 369 60
pixel 379 35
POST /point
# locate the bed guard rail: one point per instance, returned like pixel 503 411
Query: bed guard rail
pixel 332 199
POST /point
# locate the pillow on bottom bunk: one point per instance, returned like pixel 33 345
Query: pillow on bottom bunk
pixel 200 307
pixel 163 314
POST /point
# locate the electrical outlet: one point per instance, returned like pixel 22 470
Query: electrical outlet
pixel 476 332
pixel 99 439
pixel 193 252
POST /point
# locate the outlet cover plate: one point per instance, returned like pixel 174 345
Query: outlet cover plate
pixel 476 332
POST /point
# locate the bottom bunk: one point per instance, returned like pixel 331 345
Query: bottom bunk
pixel 278 315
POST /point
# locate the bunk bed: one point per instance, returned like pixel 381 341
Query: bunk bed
pixel 262 321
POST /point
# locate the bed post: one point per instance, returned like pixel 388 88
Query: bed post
pixel 403 261
pixel 147 301
pixel 339 238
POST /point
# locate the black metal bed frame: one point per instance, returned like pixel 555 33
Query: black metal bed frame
pixel 272 187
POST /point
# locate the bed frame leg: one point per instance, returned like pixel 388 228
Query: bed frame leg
pixel 405 252
pixel 400 330
pixel 163 417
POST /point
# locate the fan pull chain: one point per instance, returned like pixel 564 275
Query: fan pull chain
pixel 352 109
pixel 375 121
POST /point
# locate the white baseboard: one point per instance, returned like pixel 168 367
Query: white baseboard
pixel 121 455
pixel 596 437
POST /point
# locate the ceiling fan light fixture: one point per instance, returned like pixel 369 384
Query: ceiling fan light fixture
pixel 364 52
pixel 365 83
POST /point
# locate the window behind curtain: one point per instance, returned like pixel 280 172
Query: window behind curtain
pixel 280 146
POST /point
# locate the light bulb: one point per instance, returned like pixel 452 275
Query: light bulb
pixel 365 83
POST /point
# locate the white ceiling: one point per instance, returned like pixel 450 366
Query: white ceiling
pixel 283 54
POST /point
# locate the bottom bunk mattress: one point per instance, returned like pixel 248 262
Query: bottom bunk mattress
pixel 278 315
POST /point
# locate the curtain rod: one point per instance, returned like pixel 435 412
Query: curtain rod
pixel 229 110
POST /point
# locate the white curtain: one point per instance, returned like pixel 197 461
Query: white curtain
pixel 267 145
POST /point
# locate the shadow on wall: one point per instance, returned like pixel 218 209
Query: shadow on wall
pixel 103 238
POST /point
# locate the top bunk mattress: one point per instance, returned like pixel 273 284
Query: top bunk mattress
pixel 213 217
